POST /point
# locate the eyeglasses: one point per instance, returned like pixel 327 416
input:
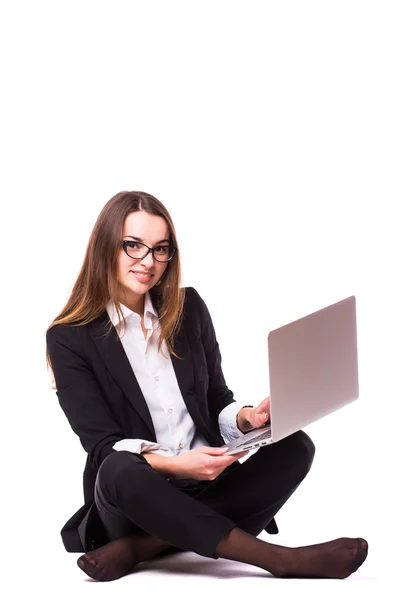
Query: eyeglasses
pixel 138 250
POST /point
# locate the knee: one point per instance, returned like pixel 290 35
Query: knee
pixel 117 464
pixel 303 449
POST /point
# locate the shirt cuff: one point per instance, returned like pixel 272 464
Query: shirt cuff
pixel 139 446
pixel 227 421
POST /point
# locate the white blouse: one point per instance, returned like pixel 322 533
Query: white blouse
pixel 175 430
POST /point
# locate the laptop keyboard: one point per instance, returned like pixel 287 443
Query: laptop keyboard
pixel 264 435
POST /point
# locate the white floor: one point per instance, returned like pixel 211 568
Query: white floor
pixel 56 575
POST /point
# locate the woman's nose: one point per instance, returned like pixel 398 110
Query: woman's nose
pixel 148 260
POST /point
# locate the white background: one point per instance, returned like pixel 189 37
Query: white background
pixel 270 130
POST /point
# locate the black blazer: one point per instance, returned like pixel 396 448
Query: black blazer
pixel 99 393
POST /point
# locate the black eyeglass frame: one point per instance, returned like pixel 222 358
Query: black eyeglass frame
pixel 152 250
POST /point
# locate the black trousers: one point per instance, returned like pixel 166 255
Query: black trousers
pixel 194 515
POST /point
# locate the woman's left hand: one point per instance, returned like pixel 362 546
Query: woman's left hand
pixel 259 415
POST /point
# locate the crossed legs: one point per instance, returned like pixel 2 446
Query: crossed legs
pixel 145 515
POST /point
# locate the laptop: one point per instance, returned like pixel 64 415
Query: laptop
pixel 313 370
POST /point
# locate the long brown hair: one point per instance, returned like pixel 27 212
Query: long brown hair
pixel 97 281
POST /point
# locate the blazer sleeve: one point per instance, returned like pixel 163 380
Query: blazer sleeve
pixel 80 396
pixel 219 395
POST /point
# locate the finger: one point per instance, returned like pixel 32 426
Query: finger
pixel 261 417
pixel 214 451
pixel 236 456
pixel 225 461
pixel 240 454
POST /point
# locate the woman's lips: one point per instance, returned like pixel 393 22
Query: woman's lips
pixel 142 277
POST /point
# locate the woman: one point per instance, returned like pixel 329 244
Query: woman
pixel 138 374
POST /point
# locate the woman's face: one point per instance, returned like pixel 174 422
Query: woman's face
pixel 153 231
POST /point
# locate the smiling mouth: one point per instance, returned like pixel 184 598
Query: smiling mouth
pixel 143 277
pixel 141 273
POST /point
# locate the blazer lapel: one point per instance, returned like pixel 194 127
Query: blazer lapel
pixel 119 366
pixel 117 363
pixel 183 368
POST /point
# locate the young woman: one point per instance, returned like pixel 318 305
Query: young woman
pixel 137 369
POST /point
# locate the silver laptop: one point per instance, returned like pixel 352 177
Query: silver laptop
pixel 313 369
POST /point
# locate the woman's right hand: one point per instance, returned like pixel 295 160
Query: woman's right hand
pixel 204 463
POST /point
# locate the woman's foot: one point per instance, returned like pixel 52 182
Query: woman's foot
pixel 336 559
pixel 118 558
